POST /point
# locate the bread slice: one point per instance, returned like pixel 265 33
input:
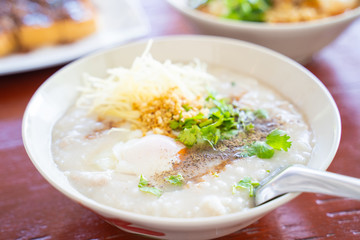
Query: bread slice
pixel 76 19
pixel 40 23
pixel 7 27
pixel 7 39
pixel 35 25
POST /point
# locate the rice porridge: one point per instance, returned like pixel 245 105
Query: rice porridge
pixel 177 140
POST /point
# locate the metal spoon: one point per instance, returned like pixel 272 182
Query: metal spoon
pixel 298 178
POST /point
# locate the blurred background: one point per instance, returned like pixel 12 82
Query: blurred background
pixel 30 208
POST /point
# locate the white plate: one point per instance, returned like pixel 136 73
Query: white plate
pixel 119 21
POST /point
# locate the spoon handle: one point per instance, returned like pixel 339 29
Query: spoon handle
pixel 302 179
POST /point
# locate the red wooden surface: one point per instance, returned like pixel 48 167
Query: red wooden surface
pixel 31 209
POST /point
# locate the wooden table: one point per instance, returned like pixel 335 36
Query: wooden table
pixel 32 209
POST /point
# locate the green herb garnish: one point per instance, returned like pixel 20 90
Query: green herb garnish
pixel 275 140
pixel 190 136
pixel 220 124
pixel 278 140
pixel 145 187
pixel 186 107
pixel 177 180
pixel 247 10
pixel 245 119
pixel 261 150
pixel 223 122
pixel 261 114
pixel 246 183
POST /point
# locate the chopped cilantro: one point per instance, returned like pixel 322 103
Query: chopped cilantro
pixel 220 124
pixel 206 122
pixel 143 182
pixel 249 127
pixel 223 122
pixel 211 134
pixel 275 140
pixel 261 113
pixel 174 124
pixel 177 180
pixel 278 140
pixel 153 190
pixel 246 10
pixel 186 107
pixel 190 136
pixel 261 150
pixel 245 119
pixel 144 187
pixel 246 183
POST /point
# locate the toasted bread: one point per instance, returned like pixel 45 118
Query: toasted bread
pixel 38 23
pixel 77 19
pixel 7 28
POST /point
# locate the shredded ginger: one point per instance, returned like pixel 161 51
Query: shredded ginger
pixel 128 95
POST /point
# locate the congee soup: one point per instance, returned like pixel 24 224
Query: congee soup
pixel 177 140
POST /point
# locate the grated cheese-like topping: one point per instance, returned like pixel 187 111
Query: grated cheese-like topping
pixel 148 94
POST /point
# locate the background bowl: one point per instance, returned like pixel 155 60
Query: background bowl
pixel 298 41
pixel 289 78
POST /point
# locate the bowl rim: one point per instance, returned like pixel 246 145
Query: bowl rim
pixel 263 26
pixel 188 223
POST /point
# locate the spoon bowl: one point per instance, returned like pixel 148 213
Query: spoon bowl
pixel 298 178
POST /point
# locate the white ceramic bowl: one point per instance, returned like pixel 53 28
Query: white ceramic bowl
pixel 298 41
pixel 289 78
